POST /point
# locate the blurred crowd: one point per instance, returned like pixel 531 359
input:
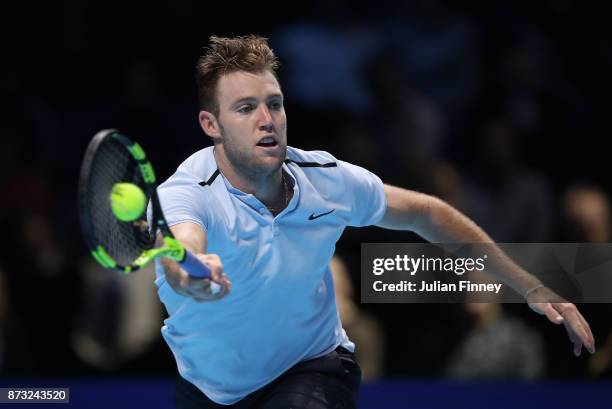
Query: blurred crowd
pixel 497 109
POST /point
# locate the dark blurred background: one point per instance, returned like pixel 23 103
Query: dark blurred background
pixel 498 108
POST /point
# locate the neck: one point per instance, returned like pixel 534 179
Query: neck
pixel 268 188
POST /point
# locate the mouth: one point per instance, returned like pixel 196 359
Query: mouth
pixel 267 142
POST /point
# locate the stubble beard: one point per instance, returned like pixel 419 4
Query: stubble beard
pixel 243 161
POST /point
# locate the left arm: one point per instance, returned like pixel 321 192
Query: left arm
pixel 438 222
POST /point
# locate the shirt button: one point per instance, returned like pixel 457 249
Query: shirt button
pixel 262 210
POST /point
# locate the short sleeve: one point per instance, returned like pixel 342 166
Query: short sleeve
pixel 179 198
pixel 366 192
pixel 179 205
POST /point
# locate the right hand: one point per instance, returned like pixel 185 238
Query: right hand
pixel 200 289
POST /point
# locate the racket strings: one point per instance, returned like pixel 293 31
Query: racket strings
pixel 123 241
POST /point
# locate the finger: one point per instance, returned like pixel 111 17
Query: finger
pixel 220 293
pixel 578 347
pixel 218 276
pixel 209 295
pixel 551 313
pixel 573 337
pixel 224 281
pixel 197 286
pixel 582 329
pixel 576 324
pixel 590 345
pixel 215 292
pixel 575 329
pixel 215 274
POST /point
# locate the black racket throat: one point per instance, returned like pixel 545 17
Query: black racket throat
pixel 158 221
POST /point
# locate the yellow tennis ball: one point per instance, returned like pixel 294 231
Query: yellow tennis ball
pixel 127 201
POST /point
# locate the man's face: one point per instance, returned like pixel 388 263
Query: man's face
pixel 252 122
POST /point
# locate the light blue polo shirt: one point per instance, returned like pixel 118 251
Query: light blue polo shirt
pixel 282 308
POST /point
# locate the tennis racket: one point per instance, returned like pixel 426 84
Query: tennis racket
pixel 111 158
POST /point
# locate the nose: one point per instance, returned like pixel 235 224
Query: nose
pixel 265 119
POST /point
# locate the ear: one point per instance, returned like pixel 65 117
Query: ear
pixel 209 124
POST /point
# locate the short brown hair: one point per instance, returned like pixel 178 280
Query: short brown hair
pixel 226 55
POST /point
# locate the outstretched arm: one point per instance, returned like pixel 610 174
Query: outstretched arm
pixel 438 222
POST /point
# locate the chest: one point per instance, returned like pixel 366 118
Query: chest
pixel 291 249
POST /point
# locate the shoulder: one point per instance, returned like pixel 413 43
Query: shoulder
pixel 196 169
pixel 310 159
pixel 182 195
pixel 322 165
pixel 352 188
pixel 321 169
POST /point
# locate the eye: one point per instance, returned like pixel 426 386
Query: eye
pixel 276 105
pixel 245 109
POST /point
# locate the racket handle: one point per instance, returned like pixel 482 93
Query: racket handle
pixel 194 267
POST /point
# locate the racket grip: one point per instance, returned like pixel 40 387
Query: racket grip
pixel 194 267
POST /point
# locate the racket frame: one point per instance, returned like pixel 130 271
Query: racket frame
pixel 172 248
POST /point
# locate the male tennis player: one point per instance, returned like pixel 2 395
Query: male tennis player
pixel 270 216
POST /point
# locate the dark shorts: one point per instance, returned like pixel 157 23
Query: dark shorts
pixel 329 382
